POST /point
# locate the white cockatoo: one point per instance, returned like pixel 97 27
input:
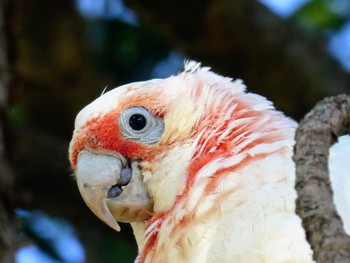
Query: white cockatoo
pixel 201 168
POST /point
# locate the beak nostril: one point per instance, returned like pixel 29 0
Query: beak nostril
pixel 115 191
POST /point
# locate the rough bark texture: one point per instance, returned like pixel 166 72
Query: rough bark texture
pixel 328 120
pixel 243 39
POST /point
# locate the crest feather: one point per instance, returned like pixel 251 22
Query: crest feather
pixel 192 66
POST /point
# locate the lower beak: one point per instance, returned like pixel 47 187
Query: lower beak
pixel 111 189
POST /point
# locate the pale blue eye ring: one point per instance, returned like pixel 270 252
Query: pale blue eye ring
pixel 138 124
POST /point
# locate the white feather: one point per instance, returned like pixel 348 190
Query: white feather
pixel 339 169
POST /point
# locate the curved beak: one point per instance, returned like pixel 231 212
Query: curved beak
pixel 112 188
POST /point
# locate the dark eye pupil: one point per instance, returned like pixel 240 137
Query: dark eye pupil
pixel 137 122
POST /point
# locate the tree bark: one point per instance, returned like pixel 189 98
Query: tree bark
pixel 243 39
pixel 328 120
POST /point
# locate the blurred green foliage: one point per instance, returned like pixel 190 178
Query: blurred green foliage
pixel 320 15
pixel 117 250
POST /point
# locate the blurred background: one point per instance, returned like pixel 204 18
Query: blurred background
pixel 57 56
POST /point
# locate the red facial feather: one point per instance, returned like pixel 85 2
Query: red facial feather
pixel 101 134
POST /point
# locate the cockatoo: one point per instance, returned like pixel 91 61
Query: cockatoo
pixel 201 168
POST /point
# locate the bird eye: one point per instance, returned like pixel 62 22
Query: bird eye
pixel 139 124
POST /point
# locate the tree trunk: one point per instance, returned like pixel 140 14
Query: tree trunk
pixel 8 234
pixel 316 133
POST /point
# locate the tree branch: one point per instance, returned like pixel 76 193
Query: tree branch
pixel 328 120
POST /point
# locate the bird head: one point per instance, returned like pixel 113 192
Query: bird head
pixel 136 150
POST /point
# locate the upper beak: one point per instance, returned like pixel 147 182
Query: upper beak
pixel 111 189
